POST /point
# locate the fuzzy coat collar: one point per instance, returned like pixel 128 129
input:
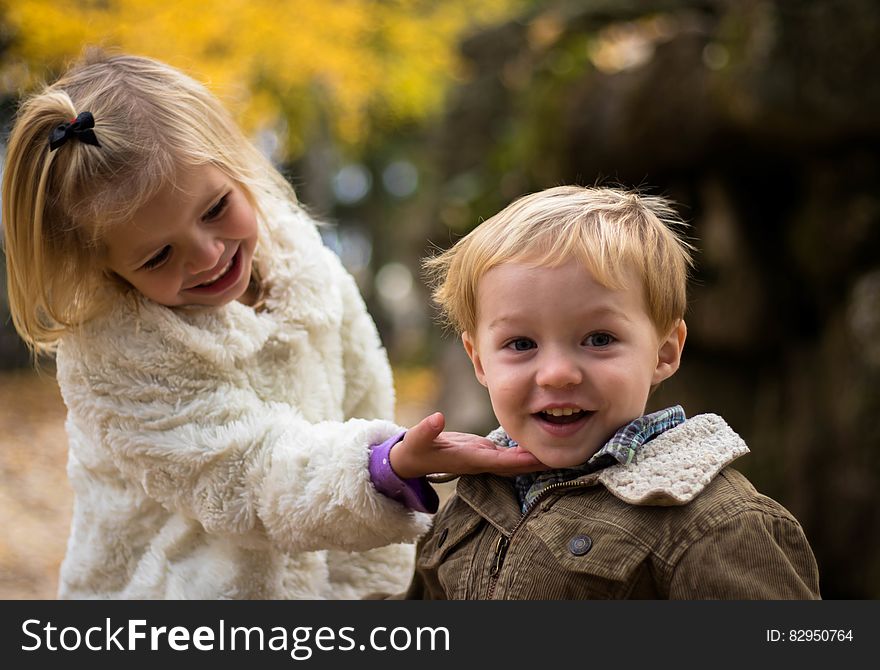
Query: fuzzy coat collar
pixel 674 467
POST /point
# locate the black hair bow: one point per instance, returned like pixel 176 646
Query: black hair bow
pixel 80 128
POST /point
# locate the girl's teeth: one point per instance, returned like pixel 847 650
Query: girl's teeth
pixel 218 275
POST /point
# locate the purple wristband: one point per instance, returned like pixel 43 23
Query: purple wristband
pixel 415 493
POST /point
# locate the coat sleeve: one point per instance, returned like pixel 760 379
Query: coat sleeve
pixel 754 555
pixel 213 451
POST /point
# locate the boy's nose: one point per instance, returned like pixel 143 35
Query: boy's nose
pixel 556 370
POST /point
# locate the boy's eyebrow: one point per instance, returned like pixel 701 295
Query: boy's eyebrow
pixel 598 312
pixel 609 310
pixel 494 323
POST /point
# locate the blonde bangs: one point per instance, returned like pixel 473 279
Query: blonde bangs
pixel 613 233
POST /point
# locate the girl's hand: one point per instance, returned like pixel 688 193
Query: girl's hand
pixel 426 450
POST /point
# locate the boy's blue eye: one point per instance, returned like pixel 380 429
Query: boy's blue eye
pixel 599 340
pixel 158 259
pixel 521 344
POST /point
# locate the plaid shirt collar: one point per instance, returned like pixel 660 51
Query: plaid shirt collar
pixel 622 448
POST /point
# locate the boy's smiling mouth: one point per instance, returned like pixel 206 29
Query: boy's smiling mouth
pixel 562 415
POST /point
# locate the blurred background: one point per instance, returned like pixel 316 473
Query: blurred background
pixel 403 123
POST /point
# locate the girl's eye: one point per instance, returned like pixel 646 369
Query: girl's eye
pixel 217 209
pixel 158 259
pixel 521 344
pixel 599 340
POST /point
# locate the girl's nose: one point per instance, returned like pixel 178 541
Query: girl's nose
pixel 204 254
pixel 558 370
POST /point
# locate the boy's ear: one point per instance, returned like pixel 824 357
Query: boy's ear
pixel 669 354
pixel 474 355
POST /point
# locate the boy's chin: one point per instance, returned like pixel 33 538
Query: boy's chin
pixel 559 461
pixel 556 454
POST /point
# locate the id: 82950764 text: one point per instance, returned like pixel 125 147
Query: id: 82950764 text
pixel 808 635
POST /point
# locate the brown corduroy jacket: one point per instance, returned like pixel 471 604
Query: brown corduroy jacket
pixel 675 524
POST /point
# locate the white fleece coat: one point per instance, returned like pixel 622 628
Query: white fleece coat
pixel 222 452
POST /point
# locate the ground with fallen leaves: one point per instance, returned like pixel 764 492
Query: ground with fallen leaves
pixel 35 498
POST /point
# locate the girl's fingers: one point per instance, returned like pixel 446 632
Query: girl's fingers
pixel 427 430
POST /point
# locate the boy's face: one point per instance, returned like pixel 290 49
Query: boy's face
pixel 566 360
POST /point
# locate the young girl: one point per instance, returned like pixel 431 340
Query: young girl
pixel 222 377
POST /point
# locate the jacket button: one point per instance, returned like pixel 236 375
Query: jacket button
pixel 443 535
pixel 580 544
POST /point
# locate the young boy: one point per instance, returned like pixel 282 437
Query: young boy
pixel 570 304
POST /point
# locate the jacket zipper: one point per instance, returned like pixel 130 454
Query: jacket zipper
pixel 504 541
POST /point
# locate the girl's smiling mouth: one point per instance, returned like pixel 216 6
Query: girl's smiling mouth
pixel 219 274
pixel 227 277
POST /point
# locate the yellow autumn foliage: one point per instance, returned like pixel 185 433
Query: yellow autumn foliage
pixel 279 64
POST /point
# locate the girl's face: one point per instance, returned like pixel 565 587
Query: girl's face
pixel 192 244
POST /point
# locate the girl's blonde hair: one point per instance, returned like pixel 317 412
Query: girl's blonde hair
pixel 151 120
pixel 610 231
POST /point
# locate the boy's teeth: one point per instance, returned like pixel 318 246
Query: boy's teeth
pixel 563 411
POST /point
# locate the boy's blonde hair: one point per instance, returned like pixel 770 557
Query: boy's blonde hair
pixel 151 120
pixel 610 230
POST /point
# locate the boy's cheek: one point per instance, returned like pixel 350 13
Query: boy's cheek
pixel 503 389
